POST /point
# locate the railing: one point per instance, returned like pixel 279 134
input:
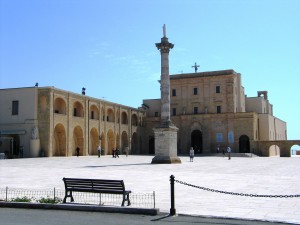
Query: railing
pixel 142 200
pixel 172 187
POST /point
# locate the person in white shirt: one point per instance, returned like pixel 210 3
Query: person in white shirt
pixel 229 151
pixel 192 153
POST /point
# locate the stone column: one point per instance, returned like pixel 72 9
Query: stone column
pixel 166 133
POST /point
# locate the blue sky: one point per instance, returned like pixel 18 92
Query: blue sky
pixel 108 46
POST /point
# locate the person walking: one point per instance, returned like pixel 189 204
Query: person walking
pixel 192 153
pixel 99 151
pixel 117 153
pixel 229 151
pixel 77 151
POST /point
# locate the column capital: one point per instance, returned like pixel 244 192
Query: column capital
pixel 164 46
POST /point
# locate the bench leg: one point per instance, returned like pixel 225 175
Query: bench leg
pixel 68 195
pixel 126 198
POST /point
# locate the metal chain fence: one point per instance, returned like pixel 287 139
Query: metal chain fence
pixel 144 200
pixel 239 194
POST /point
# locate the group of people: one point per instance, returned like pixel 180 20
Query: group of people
pixel 192 153
pixel 115 153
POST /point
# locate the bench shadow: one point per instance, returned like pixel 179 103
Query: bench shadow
pixel 117 165
pixel 161 218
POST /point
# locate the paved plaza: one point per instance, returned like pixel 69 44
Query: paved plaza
pixel 259 175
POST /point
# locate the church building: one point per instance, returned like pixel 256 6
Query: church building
pixel 212 112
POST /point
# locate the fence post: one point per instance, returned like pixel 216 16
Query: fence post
pixel 54 194
pixel 154 198
pixel 172 209
pixel 6 190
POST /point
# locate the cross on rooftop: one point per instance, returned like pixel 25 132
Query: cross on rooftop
pixel 196 67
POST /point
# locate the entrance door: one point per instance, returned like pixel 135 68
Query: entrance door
pixel 244 144
pixel 151 146
pixel 196 140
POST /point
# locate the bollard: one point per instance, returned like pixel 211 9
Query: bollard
pixel 172 209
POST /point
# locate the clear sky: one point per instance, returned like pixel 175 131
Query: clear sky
pixel 108 46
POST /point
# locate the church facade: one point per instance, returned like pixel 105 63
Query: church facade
pixel 212 112
pixel 210 109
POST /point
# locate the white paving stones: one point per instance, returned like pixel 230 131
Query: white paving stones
pixel 269 176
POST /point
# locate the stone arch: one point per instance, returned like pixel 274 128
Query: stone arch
pixel 124 118
pixel 110 115
pixel 43 103
pixel 196 141
pixel 134 143
pixel 59 106
pixel 94 112
pixel 60 144
pixel 78 140
pixel 134 120
pixel 124 140
pixel 94 141
pixel 295 149
pixel 274 150
pixel 78 109
pixel 196 126
pixel 110 141
pixel 244 144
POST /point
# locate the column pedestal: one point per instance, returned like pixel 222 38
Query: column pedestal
pixel 34 147
pixel 165 145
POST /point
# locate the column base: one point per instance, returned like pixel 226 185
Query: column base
pixel 165 160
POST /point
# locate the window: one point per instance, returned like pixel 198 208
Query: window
pixel 218 90
pixel 195 91
pixel 15 108
pixel 156 114
pixel 195 110
pixel 174 111
pixel 218 109
pixel 75 112
pixel 173 92
pixel 92 114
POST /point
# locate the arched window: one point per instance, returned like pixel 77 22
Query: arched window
pixel 110 115
pixel 124 119
pixel 78 109
pixel 134 120
pixel 59 106
pixel 94 112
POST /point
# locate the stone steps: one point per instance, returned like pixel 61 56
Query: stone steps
pixel 233 154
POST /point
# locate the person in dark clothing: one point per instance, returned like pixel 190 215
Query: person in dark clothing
pixel 117 153
pixel 77 151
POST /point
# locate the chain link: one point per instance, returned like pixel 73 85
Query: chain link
pixel 238 194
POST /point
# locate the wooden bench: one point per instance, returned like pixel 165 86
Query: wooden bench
pixel 95 186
